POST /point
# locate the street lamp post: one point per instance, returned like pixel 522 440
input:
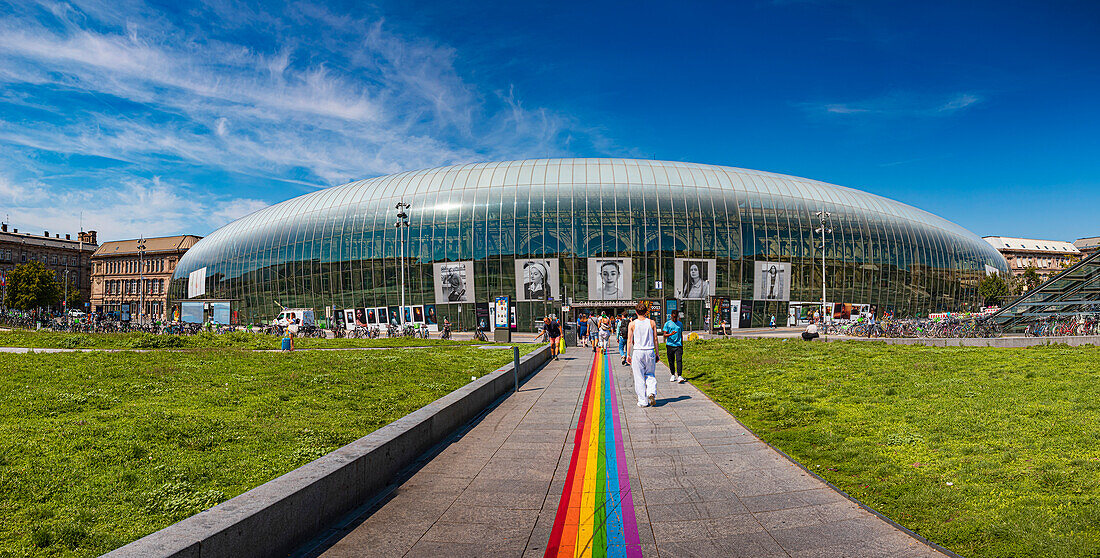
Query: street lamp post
pixel 402 223
pixel 65 301
pixel 141 279
pixel 823 218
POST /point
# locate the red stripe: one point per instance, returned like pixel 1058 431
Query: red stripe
pixel 563 505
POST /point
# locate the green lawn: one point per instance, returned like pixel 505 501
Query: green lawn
pixel 237 340
pixel 98 449
pixel 988 452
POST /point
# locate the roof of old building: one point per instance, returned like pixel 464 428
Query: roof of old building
pixel 178 243
pixel 1089 242
pixel 1031 244
pixel 45 241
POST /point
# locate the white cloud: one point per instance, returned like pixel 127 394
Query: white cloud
pixel 150 207
pixel 330 98
pixel 897 105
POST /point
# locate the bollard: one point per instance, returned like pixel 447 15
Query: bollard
pixel 515 366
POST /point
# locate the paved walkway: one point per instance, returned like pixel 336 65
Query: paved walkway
pixel 699 484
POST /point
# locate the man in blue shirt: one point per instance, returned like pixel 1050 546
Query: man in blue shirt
pixel 673 331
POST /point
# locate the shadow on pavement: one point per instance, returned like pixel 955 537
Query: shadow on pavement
pixel 663 402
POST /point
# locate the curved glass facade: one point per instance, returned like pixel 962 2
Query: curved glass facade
pixel 339 248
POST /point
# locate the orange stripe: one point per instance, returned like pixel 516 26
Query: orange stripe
pixel 573 512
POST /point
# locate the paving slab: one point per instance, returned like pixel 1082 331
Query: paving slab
pixel 699 482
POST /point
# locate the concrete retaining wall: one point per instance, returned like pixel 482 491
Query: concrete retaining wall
pixel 1006 342
pixel 277 517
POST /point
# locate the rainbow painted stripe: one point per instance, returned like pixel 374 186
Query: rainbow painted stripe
pixel 596 512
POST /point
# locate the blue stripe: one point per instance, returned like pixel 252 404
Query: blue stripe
pixel 616 539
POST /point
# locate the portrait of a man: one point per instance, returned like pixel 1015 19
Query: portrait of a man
pixel 453 282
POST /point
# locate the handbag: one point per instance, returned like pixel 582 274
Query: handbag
pixel 561 345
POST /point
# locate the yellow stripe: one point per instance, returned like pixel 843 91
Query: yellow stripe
pixel 588 496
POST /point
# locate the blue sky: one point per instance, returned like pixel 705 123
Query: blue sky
pixel 177 118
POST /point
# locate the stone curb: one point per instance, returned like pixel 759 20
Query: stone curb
pixel 280 515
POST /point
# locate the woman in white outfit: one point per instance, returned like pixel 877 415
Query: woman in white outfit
pixel 641 355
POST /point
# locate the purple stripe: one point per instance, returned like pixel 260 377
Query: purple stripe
pixel 630 523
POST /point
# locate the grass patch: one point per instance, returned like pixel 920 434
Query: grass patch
pixel 99 449
pixel 986 451
pixel 236 340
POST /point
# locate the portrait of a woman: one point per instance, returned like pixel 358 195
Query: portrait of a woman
pixel 696 284
pixel 536 281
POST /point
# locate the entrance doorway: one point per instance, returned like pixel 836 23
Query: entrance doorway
pixel 612 311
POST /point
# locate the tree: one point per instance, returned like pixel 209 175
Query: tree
pixel 32 286
pixel 994 289
pixel 1032 278
pixel 1070 261
pixel 1015 284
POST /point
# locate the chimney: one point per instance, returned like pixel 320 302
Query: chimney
pixel 4 227
pixel 58 235
pixel 88 237
pixel 46 234
pixel 68 237
pixel 16 230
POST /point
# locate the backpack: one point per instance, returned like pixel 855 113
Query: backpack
pixel 624 328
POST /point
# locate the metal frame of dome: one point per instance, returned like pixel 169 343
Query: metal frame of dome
pixel 336 247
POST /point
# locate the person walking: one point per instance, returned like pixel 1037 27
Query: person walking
pixel 772 323
pixel 593 330
pixel 582 330
pixel 673 330
pixel 641 354
pixel 605 331
pixel 623 328
pixel 291 333
pixel 553 331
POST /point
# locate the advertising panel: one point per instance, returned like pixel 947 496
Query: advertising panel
pixel 482 311
pixel 220 311
pixel 720 312
pixel 694 278
pixel 361 317
pixel 372 315
pixel 537 280
pixel 842 311
pixel 735 314
pixel 502 312
pixel 429 314
pixel 196 283
pixel 772 281
pixel 454 282
pixel 191 312
pixel 349 319
pixel 609 279
pixel 418 314
pixel 746 315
